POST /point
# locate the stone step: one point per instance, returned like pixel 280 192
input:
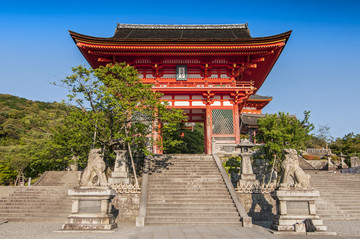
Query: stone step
pixel 21 214
pixel 185 188
pixel 185 162
pixel 183 173
pixel 180 196
pixel 38 196
pixel 176 180
pixel 41 188
pixel 351 196
pixel 173 160
pixel 230 224
pixel 193 214
pixel 189 205
pixel 59 219
pixel 190 200
pixel 160 209
pixel 185 176
pixel 190 196
pixel 35 203
pixel 186 185
pixel 35 200
pixel 188 190
pixel 186 180
pixel 166 199
pixel 34 210
pixel 189 167
pixel 192 220
pixel 338 217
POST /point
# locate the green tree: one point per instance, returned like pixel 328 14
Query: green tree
pixel 26 129
pixel 349 145
pixel 279 131
pixel 117 109
pixel 182 140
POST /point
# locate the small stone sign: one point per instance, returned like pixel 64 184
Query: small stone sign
pixel 355 162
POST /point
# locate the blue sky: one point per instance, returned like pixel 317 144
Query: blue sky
pixel 319 69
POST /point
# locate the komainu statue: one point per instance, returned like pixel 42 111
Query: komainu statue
pixel 291 169
pixel 94 173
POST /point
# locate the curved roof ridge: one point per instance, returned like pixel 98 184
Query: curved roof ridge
pixel 259 97
pixel 175 26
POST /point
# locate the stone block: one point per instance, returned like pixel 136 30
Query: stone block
pixel 294 206
pixel 90 209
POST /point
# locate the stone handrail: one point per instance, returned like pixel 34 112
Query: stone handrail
pixel 140 219
pixel 246 220
pixel 40 179
pixel 320 152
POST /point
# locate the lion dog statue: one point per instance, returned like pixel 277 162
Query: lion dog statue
pixel 291 168
pixel 95 168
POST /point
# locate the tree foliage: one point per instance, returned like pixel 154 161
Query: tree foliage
pixel 26 129
pixel 279 131
pixel 348 145
pixel 182 140
pixel 113 108
pixel 117 109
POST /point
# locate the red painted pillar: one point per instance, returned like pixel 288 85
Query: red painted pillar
pixel 205 136
pixel 208 129
pixel 236 123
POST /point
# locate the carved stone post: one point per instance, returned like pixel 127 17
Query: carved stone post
pixel 121 171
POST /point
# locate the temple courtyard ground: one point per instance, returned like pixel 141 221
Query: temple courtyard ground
pixel 9 230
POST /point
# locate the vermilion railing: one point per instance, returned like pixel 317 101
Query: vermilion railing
pixel 199 83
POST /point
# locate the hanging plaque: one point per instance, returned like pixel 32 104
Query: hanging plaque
pixel 181 73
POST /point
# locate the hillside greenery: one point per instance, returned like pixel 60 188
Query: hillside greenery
pixel 115 110
pixel 26 130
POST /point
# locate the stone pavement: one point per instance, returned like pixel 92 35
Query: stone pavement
pixel 12 230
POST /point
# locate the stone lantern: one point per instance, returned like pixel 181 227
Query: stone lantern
pixel 342 163
pixel 331 166
pixel 247 175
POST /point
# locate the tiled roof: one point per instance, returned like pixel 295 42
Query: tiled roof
pixel 182 32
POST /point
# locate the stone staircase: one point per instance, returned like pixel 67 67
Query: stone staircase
pixel 339 195
pixel 36 203
pixel 46 201
pixel 188 189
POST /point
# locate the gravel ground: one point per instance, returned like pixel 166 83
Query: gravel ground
pixel 19 230
pixel 344 228
pixel 32 230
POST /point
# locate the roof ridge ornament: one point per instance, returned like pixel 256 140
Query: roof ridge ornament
pixel 185 27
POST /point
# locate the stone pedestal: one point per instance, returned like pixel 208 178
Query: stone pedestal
pixel 294 206
pixel 247 175
pixel 91 209
pixel 121 172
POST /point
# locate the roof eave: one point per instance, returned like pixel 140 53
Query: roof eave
pixel 111 40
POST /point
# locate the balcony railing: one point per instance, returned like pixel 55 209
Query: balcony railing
pixel 198 83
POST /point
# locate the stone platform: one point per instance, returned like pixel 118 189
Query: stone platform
pixel 91 209
pixel 294 206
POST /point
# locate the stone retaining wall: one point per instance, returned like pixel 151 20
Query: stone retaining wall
pixel 318 164
pixel 259 206
pixel 126 206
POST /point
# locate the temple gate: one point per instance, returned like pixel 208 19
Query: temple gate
pixel 212 72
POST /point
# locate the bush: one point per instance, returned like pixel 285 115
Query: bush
pixel 311 157
pixel 335 158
